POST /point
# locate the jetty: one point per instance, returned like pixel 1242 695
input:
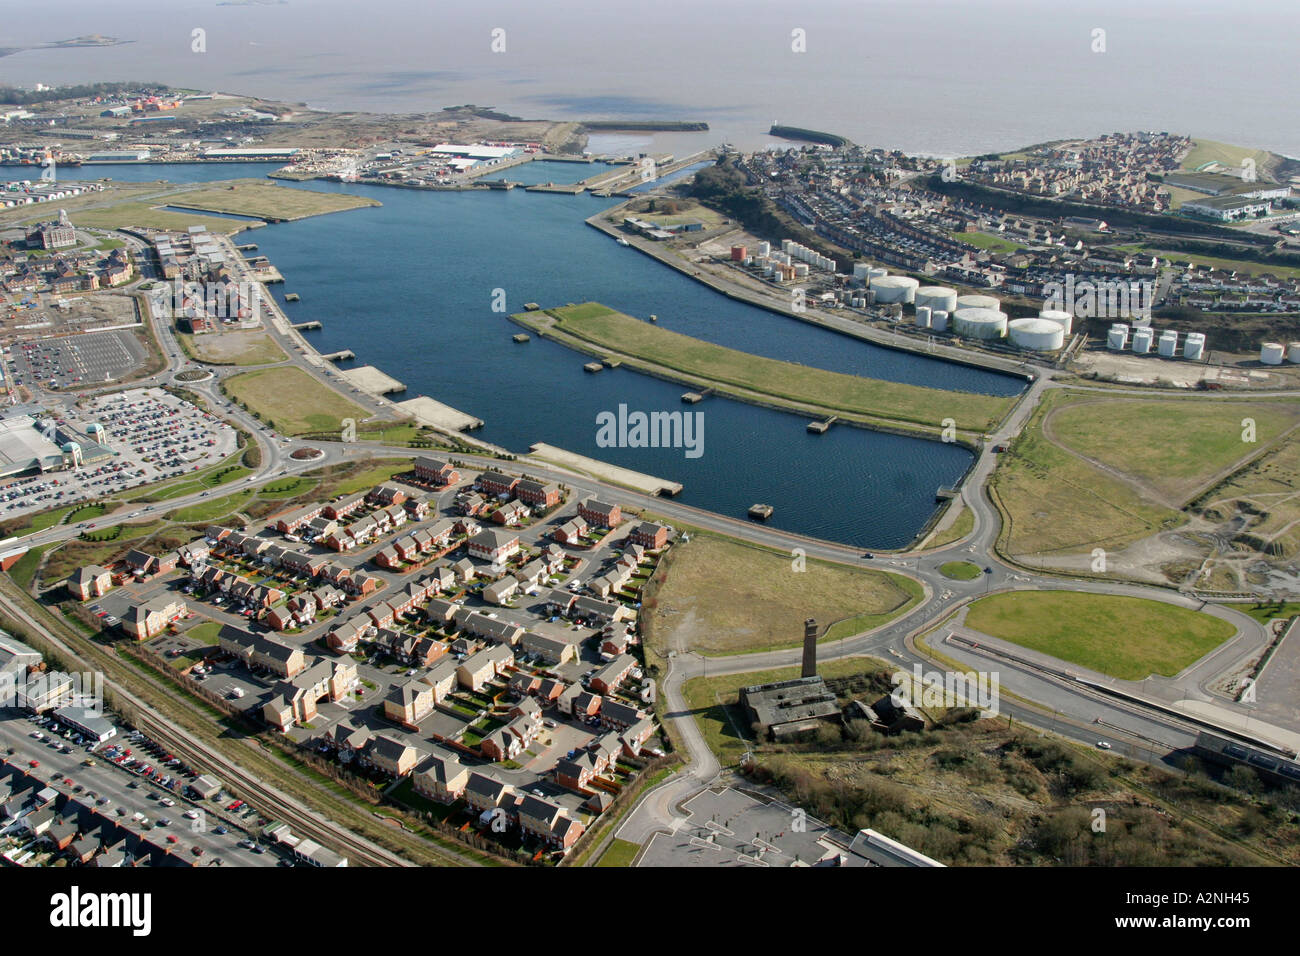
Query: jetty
pixel 637 481
pixel 291 297
pixel 521 338
pixel 821 428
pixel 371 380
pixel 304 326
pixel 435 414
pixel 760 512
pixel 593 367
pixel 945 493
pixel 340 356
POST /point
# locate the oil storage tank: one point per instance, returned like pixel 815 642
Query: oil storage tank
pixel 891 289
pixel 976 302
pixel 1194 346
pixel 1040 335
pixel 1117 337
pixel 936 297
pixel 1270 353
pixel 939 320
pixel 922 317
pixel 1167 345
pixel 1064 319
pixel 1142 340
pixel 979 323
pixel 1293 352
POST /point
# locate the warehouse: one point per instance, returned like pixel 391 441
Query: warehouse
pixel 1227 208
pixel 24 448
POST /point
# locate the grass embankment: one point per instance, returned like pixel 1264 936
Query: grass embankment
pixel 268 201
pixel 67 514
pixel 961 526
pixel 1125 637
pixel 292 401
pixel 620 853
pixel 767 599
pixel 595 328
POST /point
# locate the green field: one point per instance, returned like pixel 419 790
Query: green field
pixel 982 240
pixel 293 400
pixel 754 377
pixel 1209 151
pixel 232 348
pixel 960 570
pixel 1125 637
pixel 1174 446
pixel 1054 501
pixel 767 600
pixel 144 214
pixel 264 200
pixel 207 511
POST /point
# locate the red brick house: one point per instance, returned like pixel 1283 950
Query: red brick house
pixel 600 514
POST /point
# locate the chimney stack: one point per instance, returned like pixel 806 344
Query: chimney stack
pixel 809 648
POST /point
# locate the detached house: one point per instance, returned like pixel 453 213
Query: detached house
pixel 92 581
pixel 440 777
pixel 495 547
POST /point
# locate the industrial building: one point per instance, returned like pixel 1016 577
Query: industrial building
pixel 25 447
pixel 258 152
pixel 1227 208
pixel 790 706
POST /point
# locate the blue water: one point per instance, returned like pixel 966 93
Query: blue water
pixel 561 174
pixel 409 286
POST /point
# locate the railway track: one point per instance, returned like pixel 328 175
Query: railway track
pixel 301 820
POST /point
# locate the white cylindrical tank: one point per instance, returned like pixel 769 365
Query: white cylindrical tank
pixel 976 302
pixel 1041 335
pixel 939 320
pixel 1117 338
pixel 860 270
pixel 1193 346
pixel 1064 319
pixel 922 317
pixel 871 297
pixel 875 272
pixel 890 289
pixel 937 297
pixel 979 323
pixel 801 270
pixel 1167 345
pixel 1271 353
pixel 1142 340
pixel 764 248
pixel 1293 352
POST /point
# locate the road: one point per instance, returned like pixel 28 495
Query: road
pixel 1066 710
